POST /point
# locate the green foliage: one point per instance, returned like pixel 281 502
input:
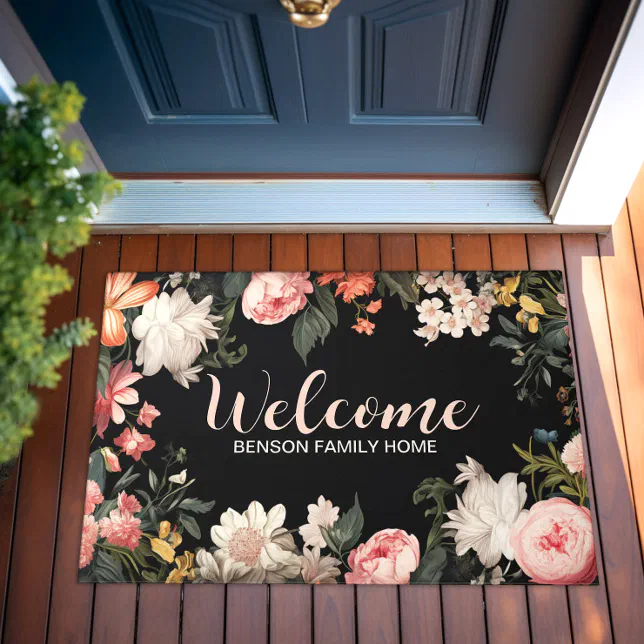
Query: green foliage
pixel 45 208
pixel 346 531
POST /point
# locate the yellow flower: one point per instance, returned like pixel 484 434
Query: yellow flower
pixel 530 305
pixel 504 293
pixel 533 325
pixel 163 549
pixel 185 569
pixel 168 540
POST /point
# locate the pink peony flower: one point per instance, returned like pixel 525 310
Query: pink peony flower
pixel 271 297
pixel 374 306
pixel 93 496
pixel 356 284
pixel 117 391
pixel 573 455
pixel 147 414
pixel 121 529
pixel 389 557
pixel 364 326
pixel 133 443
pixel 553 543
pixel 111 460
pixel 128 503
pixel 88 539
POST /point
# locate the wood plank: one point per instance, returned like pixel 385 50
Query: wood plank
pixel 214 253
pixel 333 605
pixel 247 604
pixel 549 614
pixel 361 252
pixel 291 608
pixel 204 606
pixel 326 252
pixel 8 499
pixel 291 613
pixel 71 603
pixel 37 502
pixel 604 443
pixel 159 609
pixel 251 252
pixel 626 319
pixel 472 252
pixel 288 252
pixel 635 201
pixel 463 607
pixel 334 613
pixel 138 254
pixel 420 606
pixel 398 252
pixel 436 252
pixel 507 607
pixel 377 606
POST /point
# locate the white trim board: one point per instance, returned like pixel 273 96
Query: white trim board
pixel 308 205
pixel 610 150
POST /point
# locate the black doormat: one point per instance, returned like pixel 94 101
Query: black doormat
pixel 384 428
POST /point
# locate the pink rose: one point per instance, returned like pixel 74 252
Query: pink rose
pixel 271 297
pixel 389 557
pixel 553 543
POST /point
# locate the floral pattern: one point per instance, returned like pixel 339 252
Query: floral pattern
pixel 530 524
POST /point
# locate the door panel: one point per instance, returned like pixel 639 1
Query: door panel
pixel 434 86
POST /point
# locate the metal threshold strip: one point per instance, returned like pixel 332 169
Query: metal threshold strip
pixel 309 205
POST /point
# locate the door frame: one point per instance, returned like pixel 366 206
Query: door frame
pixel 603 109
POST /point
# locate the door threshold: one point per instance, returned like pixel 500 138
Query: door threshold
pixel 323 205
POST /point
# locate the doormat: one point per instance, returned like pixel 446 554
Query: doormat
pixel 358 428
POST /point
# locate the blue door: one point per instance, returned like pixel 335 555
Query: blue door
pixel 394 86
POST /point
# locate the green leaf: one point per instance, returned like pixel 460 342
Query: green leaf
pixel 196 506
pixel 431 567
pixel 546 376
pixel 97 471
pixel 104 363
pixel 235 283
pixel 400 283
pixel 153 480
pixel 566 489
pixel 509 327
pixel 507 343
pixel 326 301
pixel 108 569
pixel 125 480
pixel 310 326
pixel 190 525
pixel 346 531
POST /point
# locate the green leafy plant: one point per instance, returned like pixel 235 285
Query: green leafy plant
pixel 45 209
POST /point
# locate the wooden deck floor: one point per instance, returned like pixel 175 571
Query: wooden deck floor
pixel 41 504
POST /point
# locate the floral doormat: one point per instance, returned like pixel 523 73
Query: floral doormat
pixel 359 428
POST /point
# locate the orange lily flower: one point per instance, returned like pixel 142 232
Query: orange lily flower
pixel 119 295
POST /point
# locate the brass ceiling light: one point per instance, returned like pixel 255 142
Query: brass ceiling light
pixel 309 13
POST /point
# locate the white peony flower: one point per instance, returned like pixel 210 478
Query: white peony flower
pixel 430 311
pixel 324 515
pixel 486 513
pixel 194 276
pixel 172 331
pixel 216 568
pixel 178 478
pixel 318 570
pixel 430 281
pixel 258 541
pixel 453 323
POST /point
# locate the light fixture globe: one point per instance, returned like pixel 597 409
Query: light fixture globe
pixel 309 14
